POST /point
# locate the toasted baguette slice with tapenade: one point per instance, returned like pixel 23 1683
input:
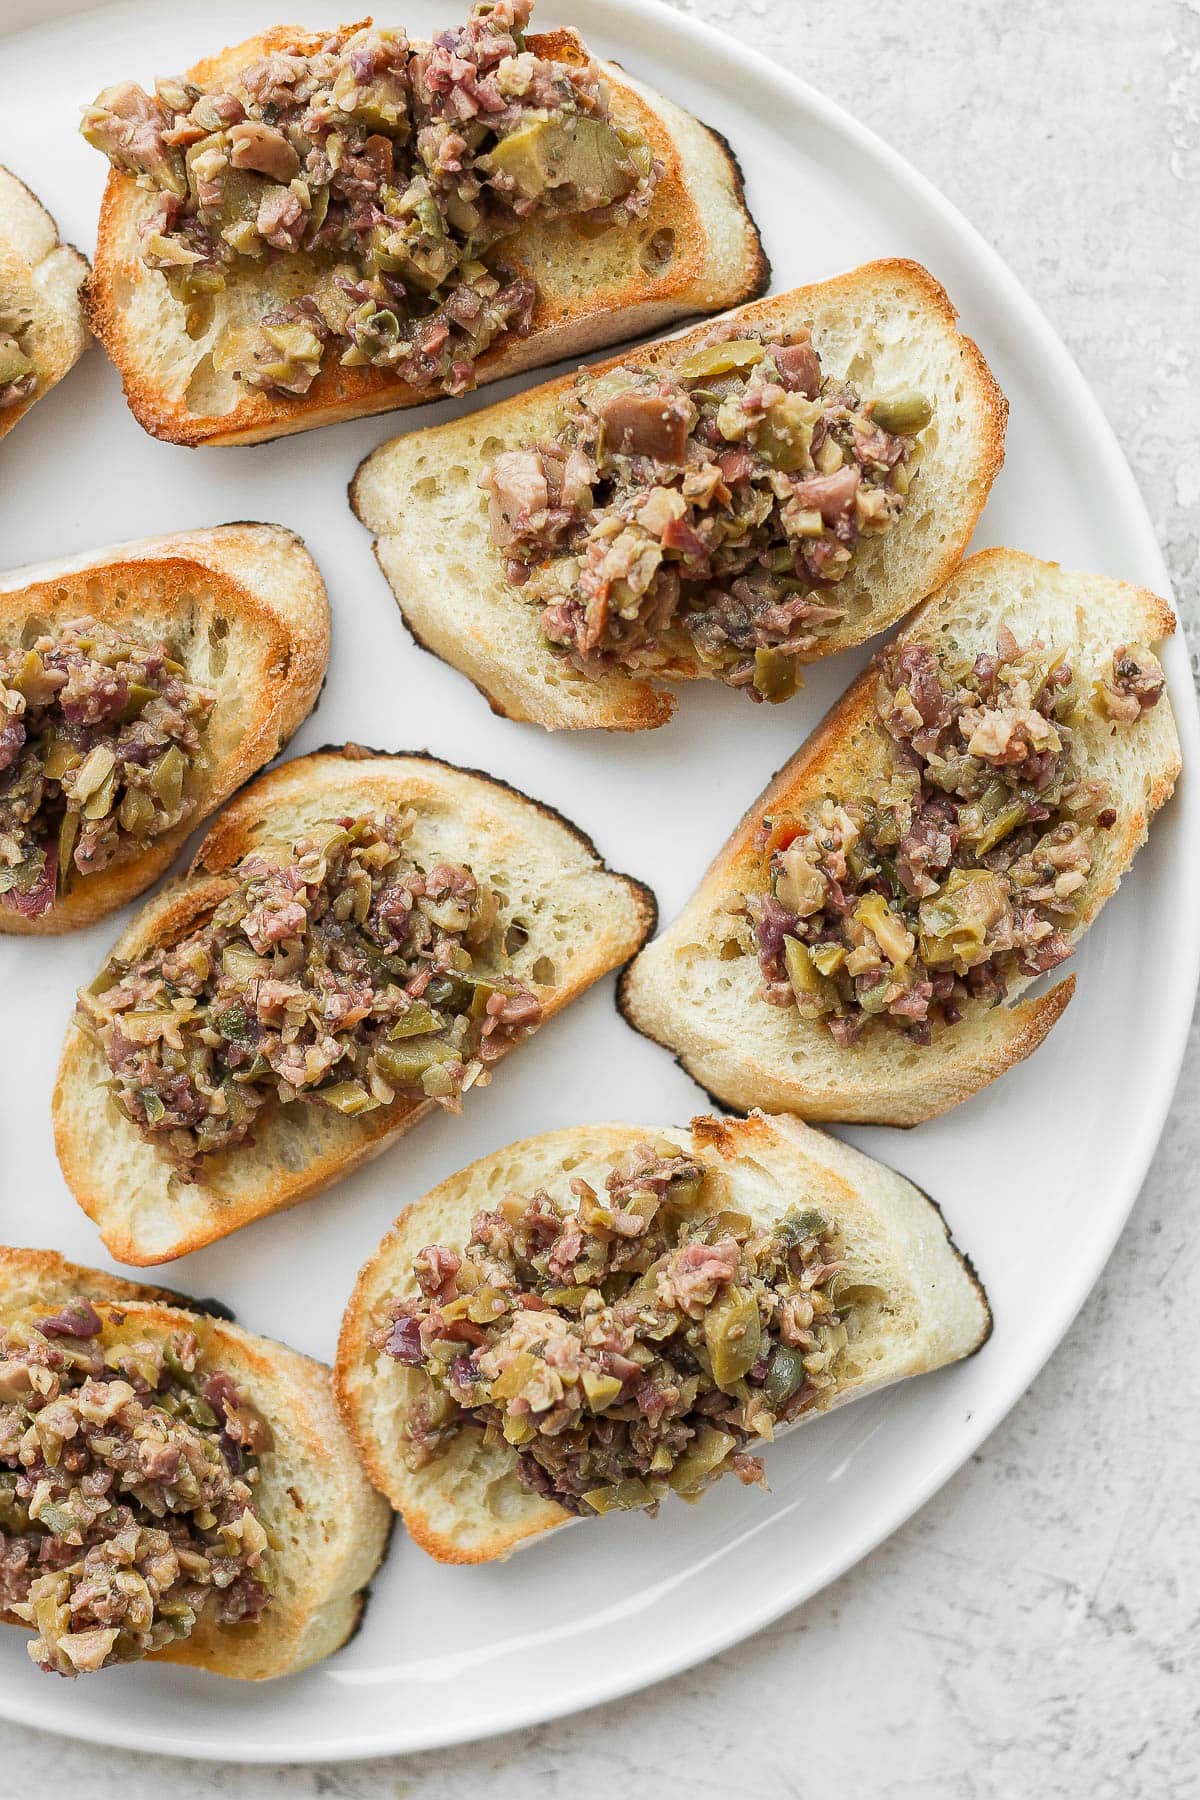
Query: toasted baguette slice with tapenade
pixel 576 918
pixel 696 250
pixel 694 989
pixel 244 608
pixel 40 304
pixel 885 326
pixel 330 1527
pixel 915 1303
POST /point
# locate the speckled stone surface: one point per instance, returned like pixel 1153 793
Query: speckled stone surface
pixel 1034 1631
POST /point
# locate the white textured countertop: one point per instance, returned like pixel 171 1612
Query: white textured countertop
pixel 1033 1631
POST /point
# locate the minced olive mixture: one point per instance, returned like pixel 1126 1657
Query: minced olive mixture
pixel 630 1343
pixel 968 863
pixel 98 734
pixel 396 169
pixel 343 974
pixel 128 1469
pixel 18 374
pixel 723 498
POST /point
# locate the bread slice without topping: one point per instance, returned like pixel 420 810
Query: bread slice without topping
pixel 915 1302
pixel 330 1526
pixel 40 279
pixel 696 250
pixel 693 989
pixel 884 326
pixel 245 609
pixel 581 919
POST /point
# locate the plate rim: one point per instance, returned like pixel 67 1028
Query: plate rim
pixel 794 93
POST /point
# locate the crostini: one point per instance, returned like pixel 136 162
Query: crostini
pixel 210 1510
pixel 947 834
pixel 361 939
pixel 728 504
pixel 140 686
pixel 605 1316
pixel 312 226
pixel 42 329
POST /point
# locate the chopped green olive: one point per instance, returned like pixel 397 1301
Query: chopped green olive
pixel 405 1064
pixel 701 1461
pixel 732 1336
pixel 573 150
pixel 776 675
pixel 785 1375
pixel 167 778
pixel 905 412
pixel 720 359
pixel 807 983
pixel 622 1496
pixel 348 1097
pixel 783 437
pixel 418 1020
pixel 14 364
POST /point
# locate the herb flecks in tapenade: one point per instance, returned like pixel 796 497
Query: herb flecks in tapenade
pixel 99 733
pixel 128 1469
pixel 18 372
pixel 629 1345
pixel 345 974
pixel 724 497
pixel 396 170
pixel 970 862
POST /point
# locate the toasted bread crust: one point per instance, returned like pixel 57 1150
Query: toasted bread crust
pixel 964 1058
pixel 170 1218
pixel 332 1527
pixel 450 1509
pixel 516 671
pixel 260 576
pixel 699 198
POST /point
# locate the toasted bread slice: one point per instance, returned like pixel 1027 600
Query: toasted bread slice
pixel 917 1303
pixel 693 990
pixel 696 250
pixel 40 281
pixel 330 1525
pixel 886 325
pixel 246 610
pixel 582 920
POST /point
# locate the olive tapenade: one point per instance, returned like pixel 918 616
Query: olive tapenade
pixel 18 372
pixel 722 499
pixel 344 974
pixel 99 733
pixel 128 1470
pixel 394 170
pixel 970 861
pixel 627 1344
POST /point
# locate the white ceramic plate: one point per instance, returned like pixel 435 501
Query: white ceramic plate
pixel 1036 1176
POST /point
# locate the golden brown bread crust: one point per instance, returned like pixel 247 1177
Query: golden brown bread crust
pixel 290 634
pixel 642 300
pixel 351 778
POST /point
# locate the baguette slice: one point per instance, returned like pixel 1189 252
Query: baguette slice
pixel 917 1302
pixel 331 1526
pixel 688 993
pixel 885 325
pixel 582 921
pixel 696 250
pixel 40 281
pixel 246 608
